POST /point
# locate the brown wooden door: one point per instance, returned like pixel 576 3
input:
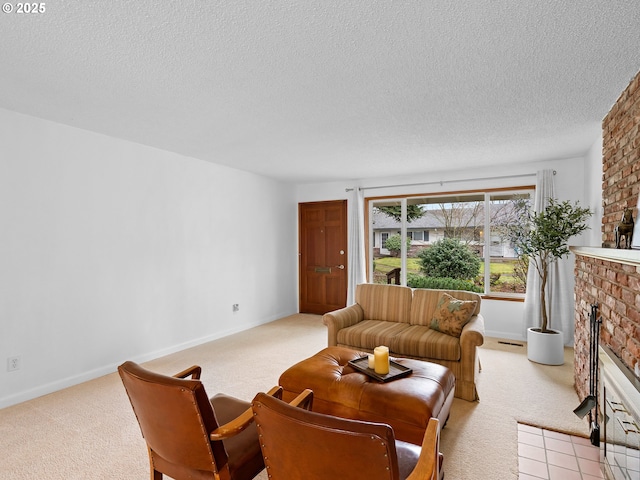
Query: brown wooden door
pixel 323 256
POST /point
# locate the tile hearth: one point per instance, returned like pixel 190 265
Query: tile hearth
pixel 548 455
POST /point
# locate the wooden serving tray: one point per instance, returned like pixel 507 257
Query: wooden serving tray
pixel 395 369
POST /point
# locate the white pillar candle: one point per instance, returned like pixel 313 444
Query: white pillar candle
pixel 381 360
pixel 372 363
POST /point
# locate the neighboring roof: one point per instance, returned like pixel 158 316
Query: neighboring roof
pixel 430 220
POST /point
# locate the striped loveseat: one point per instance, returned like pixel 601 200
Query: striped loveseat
pixel 415 323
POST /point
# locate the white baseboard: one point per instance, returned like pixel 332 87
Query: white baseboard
pixel 70 381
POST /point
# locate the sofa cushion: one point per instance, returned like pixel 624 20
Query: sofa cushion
pixel 424 342
pixel 451 314
pixel 425 301
pixel 384 302
pixel 369 334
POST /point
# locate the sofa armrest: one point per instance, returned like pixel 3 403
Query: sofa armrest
pixel 471 338
pixel 472 333
pixel 339 319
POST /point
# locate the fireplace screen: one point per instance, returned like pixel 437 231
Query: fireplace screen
pixel 620 447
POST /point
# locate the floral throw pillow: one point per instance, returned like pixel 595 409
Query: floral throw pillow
pixel 451 314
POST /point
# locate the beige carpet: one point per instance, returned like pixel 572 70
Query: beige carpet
pixel 89 431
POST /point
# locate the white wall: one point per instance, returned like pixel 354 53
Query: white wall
pixel 111 250
pixel 503 319
pixel 593 193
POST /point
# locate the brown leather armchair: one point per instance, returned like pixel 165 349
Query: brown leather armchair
pixel 189 435
pixel 301 444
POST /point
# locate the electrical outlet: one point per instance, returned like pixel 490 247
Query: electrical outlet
pixel 236 307
pixel 13 363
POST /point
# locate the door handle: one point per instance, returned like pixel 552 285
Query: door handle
pixel 327 269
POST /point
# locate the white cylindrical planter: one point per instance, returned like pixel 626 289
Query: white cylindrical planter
pixel 545 348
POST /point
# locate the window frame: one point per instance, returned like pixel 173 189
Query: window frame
pixel 402 200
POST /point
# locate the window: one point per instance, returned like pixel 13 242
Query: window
pixel 418 235
pixel 477 220
pixel 384 236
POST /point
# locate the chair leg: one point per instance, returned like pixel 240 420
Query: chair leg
pixel 155 475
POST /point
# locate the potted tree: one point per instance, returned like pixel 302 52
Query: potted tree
pixel 544 237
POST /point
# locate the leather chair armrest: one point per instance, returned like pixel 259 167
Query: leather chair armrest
pixel 193 371
pixel 303 400
pixel 242 421
pixel 276 392
pixel 428 466
pixel 339 319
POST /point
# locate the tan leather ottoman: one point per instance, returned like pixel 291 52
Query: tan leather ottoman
pixel 406 404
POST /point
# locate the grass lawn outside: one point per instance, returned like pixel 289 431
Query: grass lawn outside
pixel 505 268
pixel 386 264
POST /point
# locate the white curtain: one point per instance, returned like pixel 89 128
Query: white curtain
pixel 356 255
pixel 559 284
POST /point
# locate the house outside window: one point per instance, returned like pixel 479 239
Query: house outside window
pixel 477 220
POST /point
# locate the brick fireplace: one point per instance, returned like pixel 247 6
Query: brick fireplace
pixel 610 277
pixel 614 284
pixel 605 275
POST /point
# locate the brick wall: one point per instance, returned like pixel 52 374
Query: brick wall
pixel 614 286
pixel 621 159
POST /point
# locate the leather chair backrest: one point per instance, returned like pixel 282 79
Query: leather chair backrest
pixel 297 443
pixel 175 416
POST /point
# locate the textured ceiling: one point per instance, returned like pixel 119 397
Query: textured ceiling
pixel 322 90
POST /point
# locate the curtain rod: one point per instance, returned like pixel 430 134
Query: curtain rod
pixel 442 182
